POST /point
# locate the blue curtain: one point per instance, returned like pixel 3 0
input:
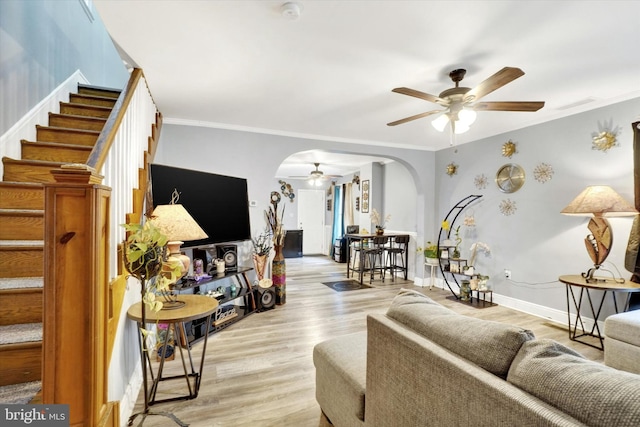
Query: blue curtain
pixel 338 223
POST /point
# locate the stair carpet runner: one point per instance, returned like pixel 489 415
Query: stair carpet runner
pixel 69 138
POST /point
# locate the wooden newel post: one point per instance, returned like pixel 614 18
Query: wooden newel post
pixel 76 297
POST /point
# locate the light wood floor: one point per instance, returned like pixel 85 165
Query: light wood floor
pixel 259 371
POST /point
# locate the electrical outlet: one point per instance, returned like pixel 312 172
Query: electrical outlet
pixel 507 273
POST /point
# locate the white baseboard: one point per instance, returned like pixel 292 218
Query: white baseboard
pixel 551 314
pixel 130 397
pixel 25 128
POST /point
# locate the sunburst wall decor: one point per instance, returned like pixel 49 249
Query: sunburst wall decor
pixel 606 137
pixel 481 181
pixel 452 169
pixel 508 207
pixel 508 149
pixel 543 172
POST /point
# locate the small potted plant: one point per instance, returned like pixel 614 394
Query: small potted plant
pixel 482 282
pixel 430 252
pixel 456 250
pixel 145 258
pixel 379 223
pixel 261 250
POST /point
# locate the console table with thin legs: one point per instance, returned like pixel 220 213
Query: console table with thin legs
pixel 606 286
pixel 196 307
pixel 360 239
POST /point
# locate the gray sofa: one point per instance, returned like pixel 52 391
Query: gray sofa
pixel 422 364
pixel 622 341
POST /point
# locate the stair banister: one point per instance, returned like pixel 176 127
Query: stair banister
pixel 84 285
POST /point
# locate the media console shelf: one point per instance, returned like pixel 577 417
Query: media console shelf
pixel 229 310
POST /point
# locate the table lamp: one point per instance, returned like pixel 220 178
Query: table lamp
pixel 175 222
pixel 601 201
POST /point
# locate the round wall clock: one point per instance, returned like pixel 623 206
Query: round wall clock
pixel 510 178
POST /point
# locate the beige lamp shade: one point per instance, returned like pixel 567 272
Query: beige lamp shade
pixel 599 200
pixel 175 222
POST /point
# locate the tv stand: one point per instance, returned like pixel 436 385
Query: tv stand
pixel 229 310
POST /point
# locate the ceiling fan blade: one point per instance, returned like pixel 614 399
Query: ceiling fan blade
pixel 421 95
pixel 417 116
pixel 509 106
pixel 499 79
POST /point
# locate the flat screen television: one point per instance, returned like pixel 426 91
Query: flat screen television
pixel 218 203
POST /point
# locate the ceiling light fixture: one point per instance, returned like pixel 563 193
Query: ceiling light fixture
pixel 291 10
pixel 460 121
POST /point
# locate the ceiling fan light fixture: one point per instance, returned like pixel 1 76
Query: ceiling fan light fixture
pixel 466 117
pixel 440 122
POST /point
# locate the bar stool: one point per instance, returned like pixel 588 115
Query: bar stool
pixel 375 254
pixel 398 247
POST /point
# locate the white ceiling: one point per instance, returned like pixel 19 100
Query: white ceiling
pixel 329 74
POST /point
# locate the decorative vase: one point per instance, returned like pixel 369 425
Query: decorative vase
pixel 279 275
pixel 465 290
pixel 379 231
pixel 259 262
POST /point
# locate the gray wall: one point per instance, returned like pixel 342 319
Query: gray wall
pixel 41 44
pixel 257 157
pixel 537 243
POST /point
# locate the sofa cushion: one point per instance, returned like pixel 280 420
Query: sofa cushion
pixel 490 345
pixel 588 391
pixel 341 376
pixel 624 327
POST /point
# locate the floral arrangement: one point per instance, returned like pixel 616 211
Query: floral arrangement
pixel 478 246
pixel 430 250
pixel 377 220
pixel 274 221
pixel 262 243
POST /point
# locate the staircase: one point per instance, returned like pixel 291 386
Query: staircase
pixel 69 138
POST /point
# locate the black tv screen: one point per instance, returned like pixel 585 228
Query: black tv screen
pixel 218 203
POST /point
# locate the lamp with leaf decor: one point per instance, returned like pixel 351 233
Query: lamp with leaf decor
pixel 178 225
pixel 601 201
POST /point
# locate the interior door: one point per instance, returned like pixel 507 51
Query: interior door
pixel 311 220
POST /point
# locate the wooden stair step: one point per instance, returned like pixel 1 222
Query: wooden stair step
pixel 66 135
pixel 55 151
pixel 103 101
pixel 21 258
pixel 84 110
pixel 21 224
pixel 76 122
pixel 21 362
pixel 29 170
pixel 98 90
pixel 21 305
pixel 22 393
pixel 21 195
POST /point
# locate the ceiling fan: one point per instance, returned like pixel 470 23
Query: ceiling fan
pixel 317 176
pixel 460 103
